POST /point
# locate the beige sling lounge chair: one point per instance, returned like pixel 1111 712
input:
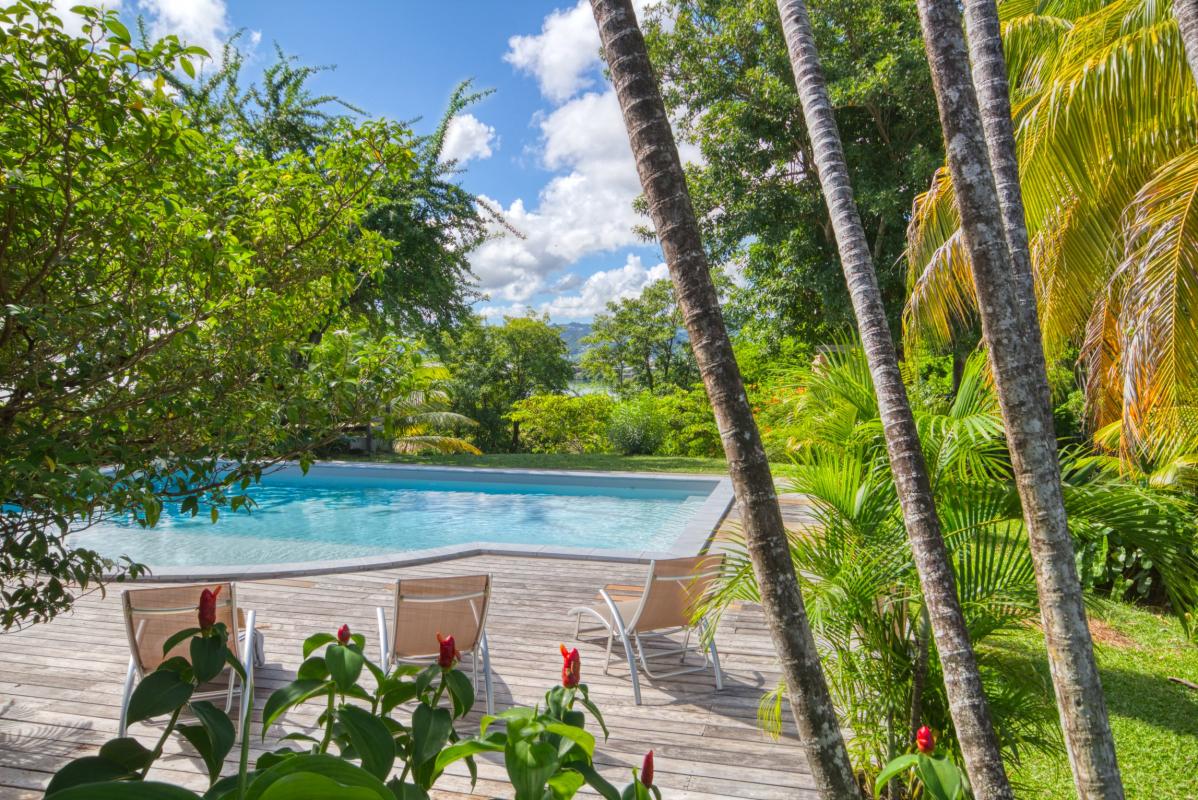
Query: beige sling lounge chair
pixel 454 606
pixel 672 590
pixel 154 615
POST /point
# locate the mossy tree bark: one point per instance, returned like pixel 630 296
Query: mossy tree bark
pixel 673 216
pixel 981 158
pixel 963 681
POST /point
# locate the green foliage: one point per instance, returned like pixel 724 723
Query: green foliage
pixel 637 345
pixel 690 424
pixel 637 426
pixel 555 423
pixel 492 367
pixel 431 224
pixel 727 80
pixel 859 581
pixel 547 750
pixel 158 286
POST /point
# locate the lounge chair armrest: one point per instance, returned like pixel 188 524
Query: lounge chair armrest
pixel 384 645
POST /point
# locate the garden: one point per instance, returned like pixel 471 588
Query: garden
pixel 932 275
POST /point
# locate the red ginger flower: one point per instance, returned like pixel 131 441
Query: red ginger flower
pixel 647 769
pixel 208 608
pixel 343 634
pixel 571 667
pixel 925 741
pixel 448 655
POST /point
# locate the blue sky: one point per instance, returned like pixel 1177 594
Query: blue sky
pixel 547 147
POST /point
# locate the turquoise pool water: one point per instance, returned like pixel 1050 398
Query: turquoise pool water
pixel 336 513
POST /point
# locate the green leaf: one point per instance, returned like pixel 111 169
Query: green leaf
pixel 597 781
pixel 566 784
pixel 586 701
pixel 406 791
pixel 461 691
pixel 430 732
pixel 371 740
pixel 529 765
pixel 126 791
pixel 313 669
pixel 572 736
pixel 89 769
pixel 160 692
pixel 176 638
pixel 207 657
pixel 212 738
pixel 119 32
pixel 316 640
pixel 456 752
pixel 345 665
pixel 893 769
pixel 290 695
pixel 941 778
pixel 126 751
pixel 187 66
pixel 235 665
pixel 316 774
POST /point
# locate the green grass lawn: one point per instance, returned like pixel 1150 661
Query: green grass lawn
pixel 595 461
pixel 1155 721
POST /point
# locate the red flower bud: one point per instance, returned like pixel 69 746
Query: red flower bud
pixel 571 667
pixel 343 634
pixel 208 608
pixel 647 769
pixel 449 652
pixel 925 741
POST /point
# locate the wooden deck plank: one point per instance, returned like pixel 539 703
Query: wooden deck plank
pixel 56 706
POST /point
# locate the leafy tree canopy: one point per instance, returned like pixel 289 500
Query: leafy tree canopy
pixel 492 367
pixel 639 343
pixel 727 81
pixel 158 284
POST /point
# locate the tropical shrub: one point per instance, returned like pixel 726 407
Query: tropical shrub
pixel 859 581
pixel 637 427
pixel 690 424
pixel 547 751
pixel 557 423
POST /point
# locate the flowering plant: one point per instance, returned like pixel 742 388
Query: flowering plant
pixel 940 777
pixel 547 751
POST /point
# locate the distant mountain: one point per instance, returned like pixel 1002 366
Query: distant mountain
pixel 572 333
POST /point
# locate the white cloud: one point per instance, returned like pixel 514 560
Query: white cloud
pixel 563 56
pixel 467 138
pixel 195 22
pixel 586 207
pixel 593 293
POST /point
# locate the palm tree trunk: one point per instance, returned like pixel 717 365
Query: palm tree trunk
pixel 673 217
pixel 1017 358
pixel 963 681
pixel 1186 12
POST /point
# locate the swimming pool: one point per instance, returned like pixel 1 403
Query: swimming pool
pixel 353 511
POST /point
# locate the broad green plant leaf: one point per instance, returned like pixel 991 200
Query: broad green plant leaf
pixel 160 692
pixel 207 657
pixel 350 779
pixel 371 740
pixel 345 665
pixel 290 695
pixel 212 738
pixel 126 791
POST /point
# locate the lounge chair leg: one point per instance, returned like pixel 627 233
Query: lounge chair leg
pixel 384 647
pixel 487 683
pixel 247 686
pixel 130 676
pixel 715 658
pixel 628 652
pixel 229 691
pixel 611 633
pixel 686 642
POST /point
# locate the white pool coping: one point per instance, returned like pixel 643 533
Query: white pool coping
pixel 692 540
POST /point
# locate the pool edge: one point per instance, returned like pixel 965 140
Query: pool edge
pixel 694 537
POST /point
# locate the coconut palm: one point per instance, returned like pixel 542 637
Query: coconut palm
pixel 1108 171
pixel 858 572
pixel 664 184
pixel 963 681
pixel 1013 342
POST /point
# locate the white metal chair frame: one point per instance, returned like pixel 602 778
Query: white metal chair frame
pixel 631 638
pixel 245 646
pixel 481 651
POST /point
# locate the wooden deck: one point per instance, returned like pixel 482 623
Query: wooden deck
pixel 60 683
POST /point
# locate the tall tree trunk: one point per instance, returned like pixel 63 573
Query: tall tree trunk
pixel 1017 358
pixel 1186 12
pixel 963 681
pixel 673 217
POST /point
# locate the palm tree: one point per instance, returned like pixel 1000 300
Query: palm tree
pixel 664 184
pixel 1108 172
pixel 963 681
pixel 1186 12
pixel 1017 360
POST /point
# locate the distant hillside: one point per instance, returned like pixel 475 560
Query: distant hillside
pixel 572 333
